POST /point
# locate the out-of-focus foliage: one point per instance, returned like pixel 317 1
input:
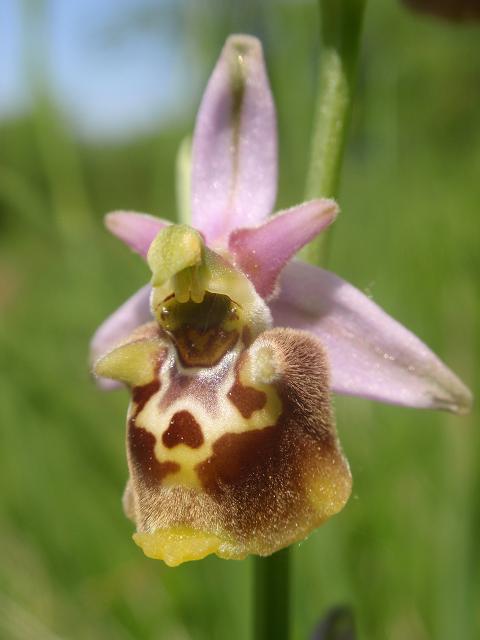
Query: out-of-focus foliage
pixel 454 10
pixel 404 553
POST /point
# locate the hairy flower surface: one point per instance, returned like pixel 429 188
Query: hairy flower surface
pixel 233 349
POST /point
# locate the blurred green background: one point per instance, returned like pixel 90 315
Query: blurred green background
pixel 405 552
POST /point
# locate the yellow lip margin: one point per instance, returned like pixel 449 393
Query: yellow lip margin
pixel 184 544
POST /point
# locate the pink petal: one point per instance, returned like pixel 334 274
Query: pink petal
pixel 371 354
pixel 234 155
pixel 137 230
pixel 134 312
pixel 262 252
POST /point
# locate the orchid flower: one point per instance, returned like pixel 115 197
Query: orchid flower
pixel 233 349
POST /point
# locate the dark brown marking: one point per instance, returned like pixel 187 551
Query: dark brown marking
pixel 141 395
pixel 183 429
pixel 246 399
pixel 141 442
pixel 142 449
pixel 236 457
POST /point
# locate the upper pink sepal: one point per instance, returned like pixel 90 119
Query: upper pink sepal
pixel 133 313
pixel 136 230
pixel 262 252
pixel 370 353
pixel 234 154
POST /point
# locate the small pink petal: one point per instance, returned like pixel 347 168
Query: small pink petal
pixel 262 252
pixel 371 354
pixel 234 154
pixel 137 230
pixel 134 312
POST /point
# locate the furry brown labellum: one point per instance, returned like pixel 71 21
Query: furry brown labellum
pixel 231 443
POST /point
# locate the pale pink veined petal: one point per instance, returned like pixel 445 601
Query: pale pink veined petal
pixel 234 154
pixel 136 230
pixel 130 315
pixel 262 252
pixel 371 354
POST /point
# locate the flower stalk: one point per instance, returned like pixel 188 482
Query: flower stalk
pixel 340 32
pixel 272 596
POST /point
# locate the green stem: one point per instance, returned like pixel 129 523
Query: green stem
pixel 341 24
pixel 340 31
pixel 272 597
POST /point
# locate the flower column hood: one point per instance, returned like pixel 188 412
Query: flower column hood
pixel 233 349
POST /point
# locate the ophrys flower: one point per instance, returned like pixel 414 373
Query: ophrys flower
pixel 232 447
